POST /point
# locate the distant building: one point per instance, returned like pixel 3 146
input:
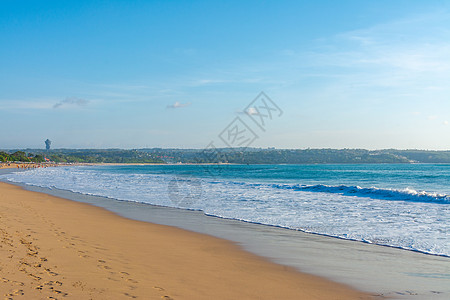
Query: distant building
pixel 48 143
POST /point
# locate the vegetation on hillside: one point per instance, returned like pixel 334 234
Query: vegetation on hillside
pixel 228 155
pixel 81 156
pixel 299 156
pixel 21 156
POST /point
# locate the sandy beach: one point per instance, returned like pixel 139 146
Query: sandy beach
pixel 56 248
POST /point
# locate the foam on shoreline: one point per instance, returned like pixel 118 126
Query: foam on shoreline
pixel 375 269
pixel 52 247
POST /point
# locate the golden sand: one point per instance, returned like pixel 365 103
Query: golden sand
pixel 53 248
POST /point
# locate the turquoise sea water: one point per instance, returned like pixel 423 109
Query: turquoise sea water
pixel 405 206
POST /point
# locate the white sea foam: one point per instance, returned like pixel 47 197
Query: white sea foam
pixel 403 218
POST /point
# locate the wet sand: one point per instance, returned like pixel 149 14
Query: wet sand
pixel 53 247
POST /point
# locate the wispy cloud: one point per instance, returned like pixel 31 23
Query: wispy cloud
pixel 178 105
pixel 401 53
pixel 386 65
pixel 73 101
pixel 207 81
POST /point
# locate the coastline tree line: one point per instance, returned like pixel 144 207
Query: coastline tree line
pixel 21 156
pixel 227 155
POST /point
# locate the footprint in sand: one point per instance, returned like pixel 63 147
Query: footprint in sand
pixel 19 292
pixel 18 283
pixel 35 277
pixel 50 272
pixel 100 248
pixel 32 252
pixel 23 262
pixel 128 295
pixel 58 292
pixel 5 280
pixel 161 290
pixel 104 267
pixel 51 282
pixel 113 279
pixel 16 293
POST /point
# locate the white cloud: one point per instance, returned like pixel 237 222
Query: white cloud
pixel 252 111
pixel 445 123
pixel 178 105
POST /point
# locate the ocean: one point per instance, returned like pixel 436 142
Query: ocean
pixel 404 206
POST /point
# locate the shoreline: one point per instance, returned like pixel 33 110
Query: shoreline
pixel 22 165
pixel 374 269
pixel 248 221
pixel 133 258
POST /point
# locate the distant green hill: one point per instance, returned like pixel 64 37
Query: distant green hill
pixel 228 155
pixel 299 156
pixel 82 156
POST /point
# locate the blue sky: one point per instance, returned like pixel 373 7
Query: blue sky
pixel 132 74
